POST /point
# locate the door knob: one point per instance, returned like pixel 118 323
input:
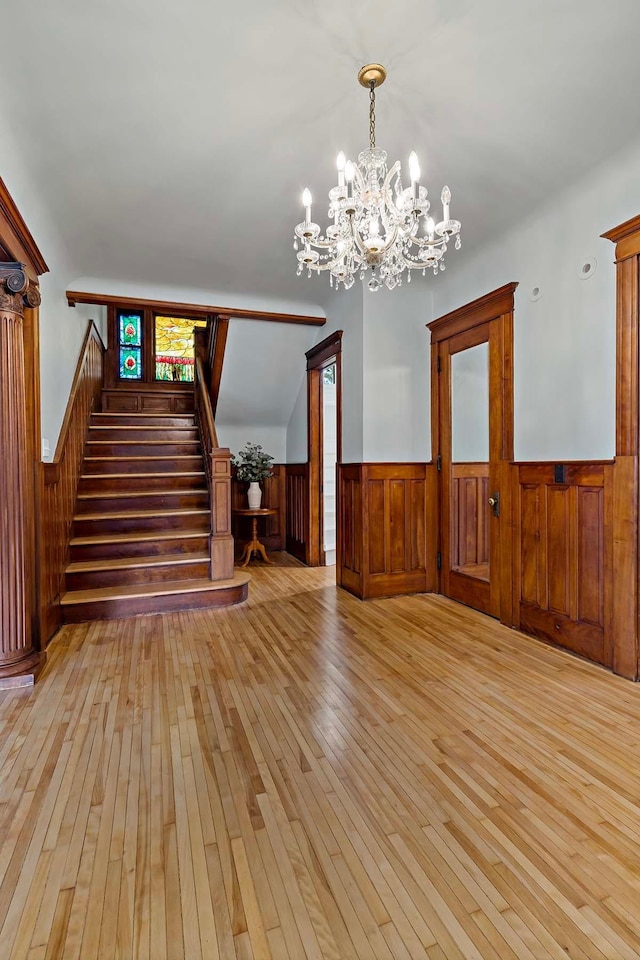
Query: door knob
pixel 494 503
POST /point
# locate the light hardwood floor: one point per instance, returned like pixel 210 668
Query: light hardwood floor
pixel 309 776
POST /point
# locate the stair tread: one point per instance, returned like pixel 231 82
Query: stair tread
pixel 169 588
pixel 142 514
pixel 127 494
pixel 126 563
pixel 142 536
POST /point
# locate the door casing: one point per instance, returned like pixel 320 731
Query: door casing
pixel 487 319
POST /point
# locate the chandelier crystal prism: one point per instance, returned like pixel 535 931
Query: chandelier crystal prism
pixel 380 228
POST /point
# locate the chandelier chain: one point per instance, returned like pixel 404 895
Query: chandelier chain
pixel 372 114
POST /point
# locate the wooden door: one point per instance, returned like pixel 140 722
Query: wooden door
pixel 473 442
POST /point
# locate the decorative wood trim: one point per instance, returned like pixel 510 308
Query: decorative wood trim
pixel 472 314
pixel 51 470
pixel 170 308
pixel 326 350
pixel 16 236
pixel 626 237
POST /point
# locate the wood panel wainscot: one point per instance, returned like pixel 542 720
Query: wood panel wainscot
pixel 127 399
pixel 470 517
pixel 61 477
pixel 563 573
pixel 273 530
pixel 297 510
pixel 387 528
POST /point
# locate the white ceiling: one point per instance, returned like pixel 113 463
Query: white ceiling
pixel 172 139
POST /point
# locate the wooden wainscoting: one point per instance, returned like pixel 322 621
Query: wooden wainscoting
pixel 273 530
pixel 125 399
pixel 563 574
pixel 469 518
pixel 387 528
pixel 61 476
pixel 297 510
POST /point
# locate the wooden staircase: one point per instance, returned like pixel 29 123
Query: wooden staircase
pixel 141 538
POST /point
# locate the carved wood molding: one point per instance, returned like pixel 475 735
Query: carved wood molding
pixel 16 236
pixel 328 348
pixel 168 308
pixel 626 237
pixel 17 291
pixel 472 314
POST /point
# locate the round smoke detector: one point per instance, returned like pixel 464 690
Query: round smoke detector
pixel 588 268
pixel 535 294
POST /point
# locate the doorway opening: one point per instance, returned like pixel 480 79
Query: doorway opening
pixel 329 462
pixel 324 419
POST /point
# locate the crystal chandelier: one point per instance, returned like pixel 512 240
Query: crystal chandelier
pixel 376 221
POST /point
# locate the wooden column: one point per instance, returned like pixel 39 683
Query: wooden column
pixel 221 536
pixel 19 661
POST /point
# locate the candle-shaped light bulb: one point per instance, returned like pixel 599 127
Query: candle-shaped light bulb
pixel 374 227
pixel 349 174
pixel 306 202
pixel 340 162
pixel 431 227
pixel 414 173
pixel 414 167
pixel 445 196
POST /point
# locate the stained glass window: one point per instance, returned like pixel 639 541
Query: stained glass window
pixel 130 345
pixel 130 329
pixel 175 355
pixel 130 366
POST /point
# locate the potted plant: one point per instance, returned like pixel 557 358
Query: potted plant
pixel 253 465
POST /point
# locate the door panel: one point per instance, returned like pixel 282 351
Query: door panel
pixel 470 450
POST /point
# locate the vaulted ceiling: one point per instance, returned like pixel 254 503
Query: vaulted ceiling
pixel 172 139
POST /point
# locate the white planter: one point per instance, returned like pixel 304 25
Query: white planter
pixel 254 495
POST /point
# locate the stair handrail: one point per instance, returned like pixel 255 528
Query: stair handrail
pixel 217 461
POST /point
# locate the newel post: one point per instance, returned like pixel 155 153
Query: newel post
pixel 221 537
pixel 19 661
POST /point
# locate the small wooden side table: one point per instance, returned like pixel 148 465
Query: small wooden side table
pixel 254 545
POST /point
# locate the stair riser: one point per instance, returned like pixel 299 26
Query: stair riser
pixel 127 465
pixel 115 449
pixel 114 609
pixel 91 528
pixel 162 500
pixel 107 485
pixel 91 580
pixel 139 548
pixel 144 435
pixel 141 421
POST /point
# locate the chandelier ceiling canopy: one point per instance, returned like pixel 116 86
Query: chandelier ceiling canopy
pixel 379 226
